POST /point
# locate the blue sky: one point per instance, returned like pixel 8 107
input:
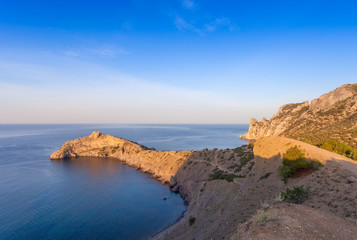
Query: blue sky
pixel 170 61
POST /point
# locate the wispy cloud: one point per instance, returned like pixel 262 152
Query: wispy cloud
pixel 189 4
pixel 108 52
pixel 219 22
pixel 182 24
pixel 72 53
pixel 210 27
pixel 194 20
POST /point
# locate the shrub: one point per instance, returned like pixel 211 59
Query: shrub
pixel 294 160
pixel 296 195
pixel 191 220
pixel 339 147
pixel 265 176
pixel 263 217
pixel 219 174
pixel 231 177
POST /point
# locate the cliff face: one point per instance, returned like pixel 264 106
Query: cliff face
pixel 333 115
pixel 161 164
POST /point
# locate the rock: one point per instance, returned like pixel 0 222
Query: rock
pixel 173 182
pixel 95 134
pixel 351 179
pixel 176 189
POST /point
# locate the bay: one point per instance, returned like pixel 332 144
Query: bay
pixel 91 198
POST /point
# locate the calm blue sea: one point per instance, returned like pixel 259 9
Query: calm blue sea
pixel 91 198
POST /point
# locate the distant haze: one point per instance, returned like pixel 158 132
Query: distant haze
pixel 170 61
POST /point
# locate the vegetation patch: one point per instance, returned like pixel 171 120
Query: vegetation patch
pixel 114 149
pixel 221 175
pixel 239 151
pixel 265 176
pixel 262 217
pixel 251 166
pixel 294 161
pixel 103 152
pixel 296 195
pixel 339 147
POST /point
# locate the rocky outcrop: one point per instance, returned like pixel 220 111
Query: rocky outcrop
pixel 333 115
pixel 161 164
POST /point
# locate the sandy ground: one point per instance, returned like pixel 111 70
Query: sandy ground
pixel 296 222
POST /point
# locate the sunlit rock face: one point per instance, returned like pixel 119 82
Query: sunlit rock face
pixel 332 115
pixel 161 164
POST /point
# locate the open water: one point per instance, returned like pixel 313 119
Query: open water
pixel 91 198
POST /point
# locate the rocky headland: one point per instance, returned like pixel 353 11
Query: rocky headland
pixel 160 164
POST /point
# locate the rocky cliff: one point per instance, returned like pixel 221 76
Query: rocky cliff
pixel 333 115
pixel 161 164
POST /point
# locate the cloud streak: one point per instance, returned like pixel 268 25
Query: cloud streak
pixel 218 23
pixel 105 52
pixel 189 4
pixel 203 29
pixel 182 25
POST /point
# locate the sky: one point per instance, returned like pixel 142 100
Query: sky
pixel 170 61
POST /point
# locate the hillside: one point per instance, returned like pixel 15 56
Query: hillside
pixel 333 116
pixel 226 189
pixel 221 208
pixel 295 222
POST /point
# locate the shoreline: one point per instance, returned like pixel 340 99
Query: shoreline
pixel 171 226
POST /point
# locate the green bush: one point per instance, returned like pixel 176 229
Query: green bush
pixel 294 153
pixel 296 195
pixel 231 177
pixel 219 174
pixel 295 160
pixel 339 147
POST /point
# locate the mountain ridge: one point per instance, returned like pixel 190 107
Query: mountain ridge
pixel 331 116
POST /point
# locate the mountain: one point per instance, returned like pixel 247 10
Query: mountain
pixel 329 119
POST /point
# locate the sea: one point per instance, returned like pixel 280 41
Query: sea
pixel 92 198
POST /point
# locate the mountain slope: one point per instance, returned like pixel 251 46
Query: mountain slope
pixel 331 116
